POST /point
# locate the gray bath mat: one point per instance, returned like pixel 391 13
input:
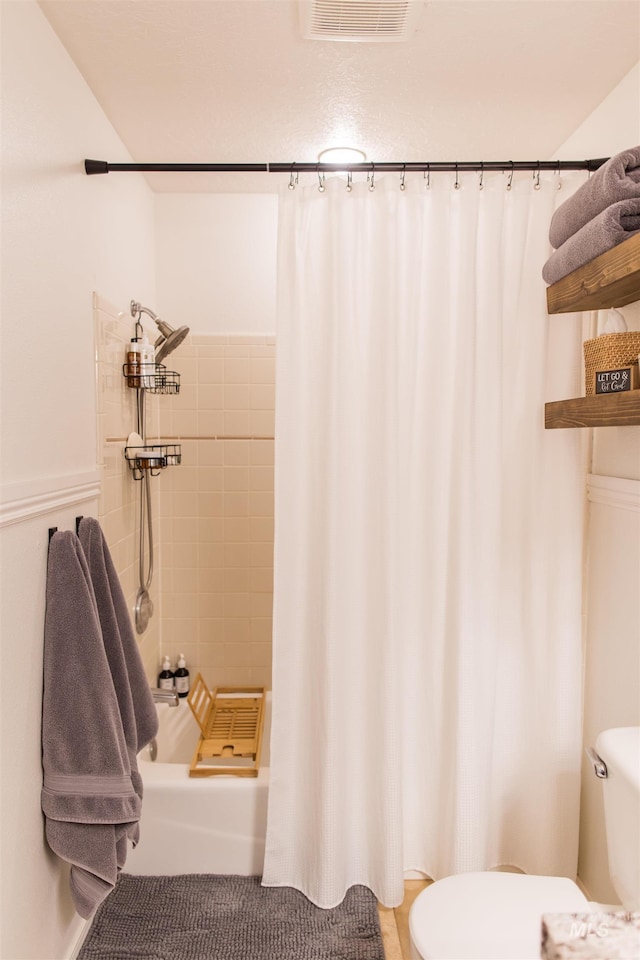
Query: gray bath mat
pixel 203 917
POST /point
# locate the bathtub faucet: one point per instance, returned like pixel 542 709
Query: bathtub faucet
pixel 165 696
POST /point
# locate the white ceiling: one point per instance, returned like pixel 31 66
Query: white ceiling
pixel 233 81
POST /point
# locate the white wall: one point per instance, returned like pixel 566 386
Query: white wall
pixel 612 672
pixel 612 675
pixel 612 127
pixel 216 261
pixel 64 235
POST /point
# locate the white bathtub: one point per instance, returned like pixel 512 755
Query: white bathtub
pixel 198 824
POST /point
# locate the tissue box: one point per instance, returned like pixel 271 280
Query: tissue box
pixel 610 351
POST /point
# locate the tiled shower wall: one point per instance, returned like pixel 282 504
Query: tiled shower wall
pixel 216 509
pixel 213 515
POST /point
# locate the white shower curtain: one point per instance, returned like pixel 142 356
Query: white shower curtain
pixel 427 608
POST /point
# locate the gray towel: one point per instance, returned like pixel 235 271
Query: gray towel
pixel 617 179
pixel 615 224
pixel 137 709
pixel 96 859
pixel 87 788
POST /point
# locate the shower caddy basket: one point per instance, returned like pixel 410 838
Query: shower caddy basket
pixel 230 721
pixel 152 377
pixel 152 457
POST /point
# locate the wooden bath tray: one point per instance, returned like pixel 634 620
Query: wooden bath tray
pixel 230 720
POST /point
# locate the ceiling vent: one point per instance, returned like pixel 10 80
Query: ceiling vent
pixel 364 21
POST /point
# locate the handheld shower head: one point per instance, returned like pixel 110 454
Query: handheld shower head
pixel 169 338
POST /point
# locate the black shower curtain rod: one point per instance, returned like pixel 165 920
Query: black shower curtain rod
pixel 101 166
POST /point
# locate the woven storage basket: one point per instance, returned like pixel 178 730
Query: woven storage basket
pixel 608 352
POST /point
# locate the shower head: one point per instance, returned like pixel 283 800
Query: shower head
pixel 169 338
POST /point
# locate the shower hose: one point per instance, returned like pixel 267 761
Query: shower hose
pixel 146 519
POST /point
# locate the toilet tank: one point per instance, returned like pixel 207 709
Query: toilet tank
pixel 620 750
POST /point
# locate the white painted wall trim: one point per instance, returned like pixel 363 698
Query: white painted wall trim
pixel 614 492
pixel 34 498
pixel 82 936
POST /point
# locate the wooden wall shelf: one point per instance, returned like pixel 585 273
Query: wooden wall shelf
pixel 622 410
pixel 611 280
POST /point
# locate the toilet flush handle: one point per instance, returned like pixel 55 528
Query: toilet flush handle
pixel 599 765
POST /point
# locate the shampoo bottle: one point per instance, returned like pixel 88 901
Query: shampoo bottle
pixel 165 677
pixel 133 363
pixel 147 363
pixel 182 677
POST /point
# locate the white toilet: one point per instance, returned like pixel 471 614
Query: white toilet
pixel 497 916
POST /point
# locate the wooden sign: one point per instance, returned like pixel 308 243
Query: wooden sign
pixel 616 381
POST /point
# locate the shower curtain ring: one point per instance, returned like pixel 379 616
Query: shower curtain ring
pixel 536 177
pixel 481 178
pixel 402 183
pixel 456 185
pixel 510 176
pixel 293 182
pixel 349 181
pixel 427 177
pixel 372 185
pixel 557 171
pixel 321 185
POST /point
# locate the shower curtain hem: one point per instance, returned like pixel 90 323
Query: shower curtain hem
pixel 332 905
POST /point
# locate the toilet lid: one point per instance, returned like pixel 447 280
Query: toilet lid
pixel 489 916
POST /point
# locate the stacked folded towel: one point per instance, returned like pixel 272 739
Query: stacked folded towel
pixel 97 712
pixel 602 213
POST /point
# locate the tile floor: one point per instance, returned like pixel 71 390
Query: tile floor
pixel 394 922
